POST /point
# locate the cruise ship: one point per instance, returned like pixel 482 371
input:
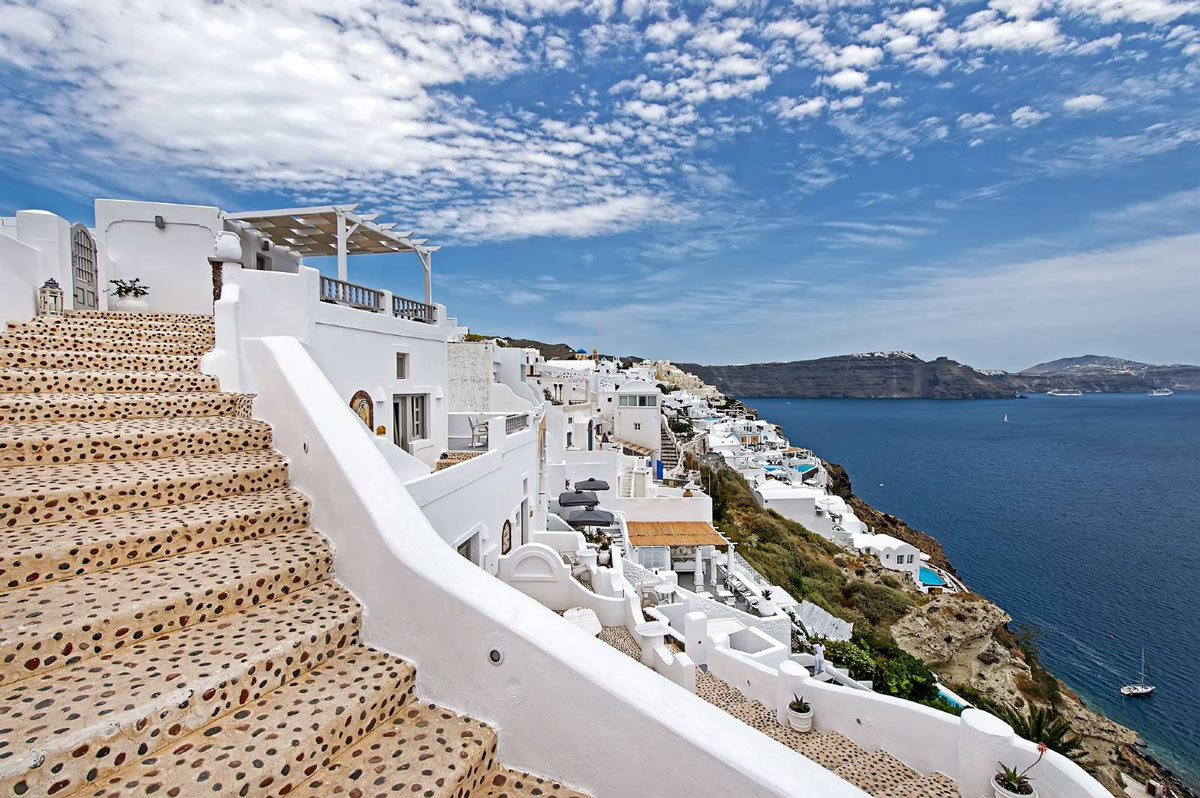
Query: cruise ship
pixel 1065 392
pixel 271 531
pixel 1160 392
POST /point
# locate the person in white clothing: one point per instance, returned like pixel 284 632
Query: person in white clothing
pixel 819 650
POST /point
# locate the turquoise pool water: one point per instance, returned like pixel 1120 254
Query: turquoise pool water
pixel 952 699
pixel 931 578
pixel 804 469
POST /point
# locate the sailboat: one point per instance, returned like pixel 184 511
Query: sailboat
pixel 1005 419
pixel 1139 689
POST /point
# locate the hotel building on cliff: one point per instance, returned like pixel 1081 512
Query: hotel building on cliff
pixel 269 531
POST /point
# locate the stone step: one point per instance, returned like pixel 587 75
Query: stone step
pixel 875 772
pixel 79 724
pixel 116 360
pixel 113 440
pixel 422 750
pixel 45 494
pixel 69 341
pixel 935 785
pixel 86 406
pixel 71 381
pixel 111 328
pixel 52 625
pixel 278 743
pixel 506 783
pixel 133 318
pixel 46 552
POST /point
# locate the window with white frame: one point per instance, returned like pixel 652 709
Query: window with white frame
pixel 655 556
pixel 401 365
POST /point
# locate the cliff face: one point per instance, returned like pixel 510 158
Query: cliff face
pixel 882 375
pixel 966 640
pixel 902 375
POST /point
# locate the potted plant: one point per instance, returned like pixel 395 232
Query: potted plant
pixel 800 714
pixel 604 552
pixel 1011 783
pixel 129 295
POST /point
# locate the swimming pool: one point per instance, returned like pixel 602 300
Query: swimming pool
pixel 804 469
pixel 931 578
pixel 951 698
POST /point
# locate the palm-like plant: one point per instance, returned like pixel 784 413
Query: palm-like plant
pixel 1043 725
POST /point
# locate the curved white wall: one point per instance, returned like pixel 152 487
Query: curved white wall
pixel 428 604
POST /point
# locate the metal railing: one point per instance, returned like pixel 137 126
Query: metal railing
pixel 411 309
pixel 356 296
pixel 516 423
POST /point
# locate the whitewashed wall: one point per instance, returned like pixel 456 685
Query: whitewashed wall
pixel 470 376
pixel 429 605
pixel 172 261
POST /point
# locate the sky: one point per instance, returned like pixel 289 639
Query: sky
pixel 1001 182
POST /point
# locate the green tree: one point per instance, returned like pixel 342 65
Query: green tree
pixel 1042 725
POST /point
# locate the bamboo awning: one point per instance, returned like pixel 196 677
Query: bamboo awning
pixel 674 533
pixel 634 447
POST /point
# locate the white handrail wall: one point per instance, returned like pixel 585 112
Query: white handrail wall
pixel 428 604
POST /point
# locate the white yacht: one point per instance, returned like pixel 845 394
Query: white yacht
pixel 1065 392
pixel 1139 689
pixel 1160 392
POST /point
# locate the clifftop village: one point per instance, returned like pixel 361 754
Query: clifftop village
pixel 258 495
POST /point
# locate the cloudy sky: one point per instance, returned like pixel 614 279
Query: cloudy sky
pixel 1002 182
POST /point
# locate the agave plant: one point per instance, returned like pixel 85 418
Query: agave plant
pixel 1017 781
pixel 1044 726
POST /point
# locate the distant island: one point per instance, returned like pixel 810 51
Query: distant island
pixel 903 375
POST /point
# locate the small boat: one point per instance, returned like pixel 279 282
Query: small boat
pixel 1065 392
pixel 1160 392
pixel 1139 689
pixel 1005 419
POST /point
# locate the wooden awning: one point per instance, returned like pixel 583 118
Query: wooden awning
pixel 674 533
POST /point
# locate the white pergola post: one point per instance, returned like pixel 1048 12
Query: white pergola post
pixel 341 245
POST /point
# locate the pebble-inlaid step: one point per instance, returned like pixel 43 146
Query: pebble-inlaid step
pixel 86 406
pixel 73 381
pixel 423 750
pixel 133 318
pixel 106 328
pixel 877 771
pixel 58 623
pixel 45 494
pixel 64 341
pixel 274 745
pixel 45 552
pixel 79 724
pixel 55 443
pixel 505 783
pixel 935 785
pixel 95 361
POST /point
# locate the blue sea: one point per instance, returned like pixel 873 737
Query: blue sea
pixel 1081 516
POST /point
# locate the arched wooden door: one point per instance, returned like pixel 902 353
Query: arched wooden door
pixel 83 268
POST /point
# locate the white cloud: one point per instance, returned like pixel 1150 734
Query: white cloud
pixel 799 108
pixel 977 121
pixel 922 19
pixel 647 112
pixel 668 31
pixel 1026 116
pixel 1085 102
pixel 847 80
pixel 847 103
pixel 1147 11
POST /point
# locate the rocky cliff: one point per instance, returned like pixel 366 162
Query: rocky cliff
pixel 870 375
pixel 966 639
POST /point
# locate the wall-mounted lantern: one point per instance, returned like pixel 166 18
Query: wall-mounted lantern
pixel 160 223
pixel 50 299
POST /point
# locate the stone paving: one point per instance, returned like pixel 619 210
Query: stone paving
pixel 168 619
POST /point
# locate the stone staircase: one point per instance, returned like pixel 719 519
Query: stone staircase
pixel 668 448
pixel 168 620
pixel 876 772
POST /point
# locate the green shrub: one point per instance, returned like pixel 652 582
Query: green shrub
pixel 858 661
pixel 881 604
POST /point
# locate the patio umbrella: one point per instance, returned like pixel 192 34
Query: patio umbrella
pixel 577 498
pixel 591 518
pixel 591 483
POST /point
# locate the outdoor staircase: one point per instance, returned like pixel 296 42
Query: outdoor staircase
pixel 168 619
pixel 876 772
pixel 668 448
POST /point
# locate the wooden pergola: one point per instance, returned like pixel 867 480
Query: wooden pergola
pixel 338 230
